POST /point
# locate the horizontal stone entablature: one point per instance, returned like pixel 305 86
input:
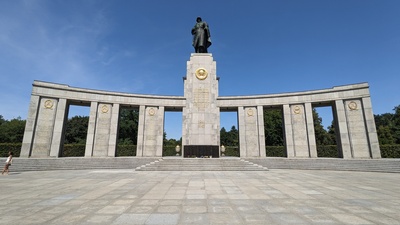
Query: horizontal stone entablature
pixel 352 91
pixel 52 90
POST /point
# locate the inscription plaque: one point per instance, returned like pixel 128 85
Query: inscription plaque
pixel 201 98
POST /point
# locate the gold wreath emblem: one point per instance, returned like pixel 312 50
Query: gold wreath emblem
pixel 104 109
pixel 352 105
pixel 201 73
pixel 250 112
pixel 297 109
pixel 152 112
pixel 48 104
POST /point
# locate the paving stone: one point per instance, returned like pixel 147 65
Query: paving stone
pixel 286 218
pixel 163 219
pixel 193 219
pixel 321 219
pixel 380 219
pixel 123 202
pixel 171 202
pixel 92 197
pixel 168 209
pixel 142 209
pixel 131 219
pixel 351 219
pixel 99 219
pixel 225 218
pixel 111 209
pixel 256 219
pixel 220 209
pixel 195 209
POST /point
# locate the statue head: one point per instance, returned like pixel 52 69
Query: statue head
pixel 198 19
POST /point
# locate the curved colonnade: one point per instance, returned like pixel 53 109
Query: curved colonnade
pixel 351 104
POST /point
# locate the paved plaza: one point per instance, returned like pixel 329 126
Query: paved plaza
pixel 261 197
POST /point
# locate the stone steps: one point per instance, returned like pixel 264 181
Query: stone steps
pixel 370 165
pixel 214 164
pixel 201 164
pixel 77 163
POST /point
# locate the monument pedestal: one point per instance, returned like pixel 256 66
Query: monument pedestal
pixel 201 126
pixel 201 151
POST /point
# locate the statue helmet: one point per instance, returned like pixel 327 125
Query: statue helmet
pixel 198 19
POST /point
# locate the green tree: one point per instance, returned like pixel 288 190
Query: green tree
pixel 2 120
pixel 234 136
pixel 11 131
pixel 332 133
pixel 76 130
pixel 388 127
pixel 385 119
pixel 273 127
pixel 230 138
pixel 385 136
pixel 396 124
pixel 172 142
pixel 322 137
pixel 223 137
pixel 128 126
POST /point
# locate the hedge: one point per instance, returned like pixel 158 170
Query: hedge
pixel 74 150
pixel 327 151
pixel 390 151
pixel 170 151
pixel 78 150
pixel 275 151
pixel 15 148
pixel 232 151
pixel 387 151
pixel 126 150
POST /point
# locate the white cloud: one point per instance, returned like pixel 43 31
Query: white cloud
pixel 37 44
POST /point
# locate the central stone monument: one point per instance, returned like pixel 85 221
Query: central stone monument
pixel 201 114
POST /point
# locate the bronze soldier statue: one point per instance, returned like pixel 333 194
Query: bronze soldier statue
pixel 201 36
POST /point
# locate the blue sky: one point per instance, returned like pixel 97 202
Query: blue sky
pixel 138 46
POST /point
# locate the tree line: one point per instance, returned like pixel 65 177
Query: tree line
pixel 388 127
pixel 387 124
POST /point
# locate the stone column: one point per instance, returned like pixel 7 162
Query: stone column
pixel 44 127
pixel 287 121
pixel 112 143
pixel 91 129
pixel 261 132
pixel 153 131
pixel 102 131
pixel 160 131
pixel 31 120
pixel 59 128
pixel 300 134
pixel 312 145
pixel 356 128
pixel 343 140
pixel 371 128
pixel 140 139
pixel 249 132
pixel 242 132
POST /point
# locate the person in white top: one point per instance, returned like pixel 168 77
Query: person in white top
pixel 8 163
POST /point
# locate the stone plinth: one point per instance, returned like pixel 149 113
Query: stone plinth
pixel 201 114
